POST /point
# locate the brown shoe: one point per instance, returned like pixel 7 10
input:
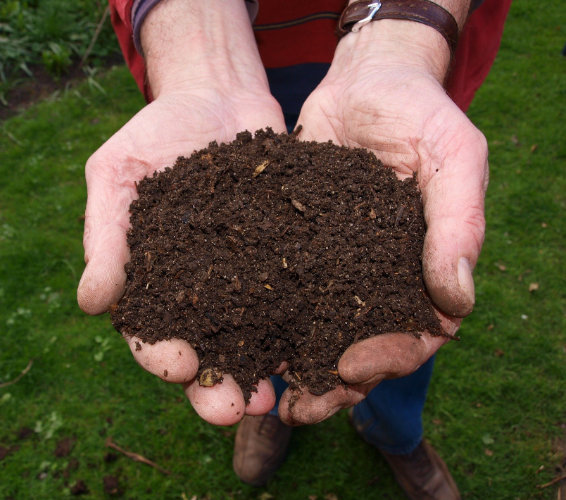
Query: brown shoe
pixel 423 474
pixel 260 448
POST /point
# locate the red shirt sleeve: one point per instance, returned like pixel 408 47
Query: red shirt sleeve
pixel 120 14
pixel 478 45
pixel 295 32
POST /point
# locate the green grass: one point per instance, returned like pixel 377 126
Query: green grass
pixel 496 409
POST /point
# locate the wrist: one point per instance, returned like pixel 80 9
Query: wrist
pixel 207 45
pixel 420 33
pixel 395 43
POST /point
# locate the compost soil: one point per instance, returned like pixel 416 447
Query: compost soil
pixel 270 249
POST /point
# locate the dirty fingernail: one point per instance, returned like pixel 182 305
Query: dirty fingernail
pixel 466 280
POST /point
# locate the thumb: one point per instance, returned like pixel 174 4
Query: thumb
pixel 106 250
pixel 103 280
pixel 454 211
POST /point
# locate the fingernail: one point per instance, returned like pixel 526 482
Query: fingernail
pixel 466 280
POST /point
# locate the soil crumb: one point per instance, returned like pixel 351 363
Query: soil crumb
pixel 270 249
pixel 79 488
pixel 64 447
pixel 112 486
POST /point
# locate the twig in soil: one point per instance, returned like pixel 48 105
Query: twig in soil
pixel 399 215
pixel 297 131
pixel 24 371
pixel 557 479
pixel 135 456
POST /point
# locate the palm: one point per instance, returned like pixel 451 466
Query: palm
pixel 416 129
pixel 411 127
pixel 407 120
pixel 171 126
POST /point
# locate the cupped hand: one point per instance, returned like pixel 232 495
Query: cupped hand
pixel 397 108
pixel 174 124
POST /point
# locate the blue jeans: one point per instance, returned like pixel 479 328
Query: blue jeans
pixel 391 414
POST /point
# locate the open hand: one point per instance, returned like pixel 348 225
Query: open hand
pixel 397 108
pixel 173 125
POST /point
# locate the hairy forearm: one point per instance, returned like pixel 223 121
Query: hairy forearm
pixel 190 43
pixel 404 42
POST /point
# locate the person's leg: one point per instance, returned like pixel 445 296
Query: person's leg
pixel 279 385
pixel 390 418
pixel 261 443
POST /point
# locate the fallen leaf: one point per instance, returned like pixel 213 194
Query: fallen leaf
pixel 488 452
pixel 534 148
pixel 487 439
pixel 499 353
pixel 533 287
pixel 501 267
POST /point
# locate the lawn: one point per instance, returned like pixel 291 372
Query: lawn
pixel 69 386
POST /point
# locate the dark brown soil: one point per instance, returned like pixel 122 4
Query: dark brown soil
pixel 269 249
pixel 112 486
pixel 64 447
pixel 79 488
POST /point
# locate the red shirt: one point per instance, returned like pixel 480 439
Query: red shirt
pixel 299 31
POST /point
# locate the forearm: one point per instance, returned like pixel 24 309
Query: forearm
pixel 190 43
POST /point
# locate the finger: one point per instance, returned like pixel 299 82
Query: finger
pixel 262 401
pixel 282 368
pixel 221 404
pixel 453 197
pixel 389 355
pixel 304 408
pixel 171 360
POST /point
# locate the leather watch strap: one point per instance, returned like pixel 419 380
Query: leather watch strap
pixel 420 11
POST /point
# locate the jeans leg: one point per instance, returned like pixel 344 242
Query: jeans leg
pixel 279 385
pixel 390 418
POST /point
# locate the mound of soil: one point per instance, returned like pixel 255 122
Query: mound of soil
pixel 269 249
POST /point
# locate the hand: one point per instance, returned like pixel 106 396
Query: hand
pixel 387 97
pixel 209 97
pixel 172 125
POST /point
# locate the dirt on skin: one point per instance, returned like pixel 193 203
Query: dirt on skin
pixel 270 249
